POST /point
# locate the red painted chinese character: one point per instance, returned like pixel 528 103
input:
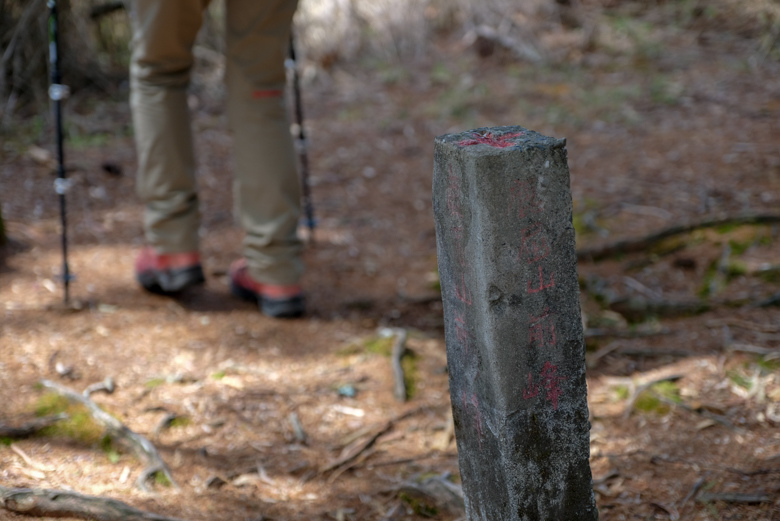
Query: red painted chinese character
pixel 542 285
pixel 461 330
pixel 523 199
pixel 534 246
pixel 550 381
pixel 460 257
pixel 457 232
pixel 462 292
pixel 453 196
pixel 473 401
pixel 541 330
pixel 531 389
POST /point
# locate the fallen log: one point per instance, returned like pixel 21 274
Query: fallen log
pixel 31 427
pixel 636 244
pixel 61 503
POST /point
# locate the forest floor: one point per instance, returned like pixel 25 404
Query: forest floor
pixel 252 414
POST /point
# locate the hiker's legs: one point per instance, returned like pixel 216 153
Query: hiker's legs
pixel 267 191
pixel 163 34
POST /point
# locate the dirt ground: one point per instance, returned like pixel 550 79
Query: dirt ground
pixel 250 412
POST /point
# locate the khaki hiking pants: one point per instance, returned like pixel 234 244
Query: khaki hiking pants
pixel 266 186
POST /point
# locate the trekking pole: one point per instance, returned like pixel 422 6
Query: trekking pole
pixel 301 142
pixel 58 92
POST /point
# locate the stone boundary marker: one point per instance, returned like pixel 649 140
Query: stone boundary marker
pixel 515 347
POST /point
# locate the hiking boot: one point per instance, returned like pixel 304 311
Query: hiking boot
pixel 168 273
pixel 274 300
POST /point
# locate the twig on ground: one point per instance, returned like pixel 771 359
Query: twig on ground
pixel 403 461
pixel 638 307
pixel 28 460
pixel 399 349
pixel 674 515
pixel 300 434
pixel 744 324
pixel 758 497
pixel 61 503
pixel 107 386
pixel 31 427
pixel 353 450
pixel 606 477
pixel 626 333
pixel 635 244
pixel 637 351
pixel 694 490
pixel 618 347
pixel 357 447
pixel 163 424
pixel 702 412
pixel 138 444
pixel 352 464
pixel 758 350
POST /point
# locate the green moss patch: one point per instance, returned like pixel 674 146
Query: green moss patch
pixel 656 399
pixel 79 425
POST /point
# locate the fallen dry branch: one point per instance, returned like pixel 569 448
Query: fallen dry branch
pixel 637 308
pixel 702 412
pixel 636 244
pixel 61 503
pixel 356 448
pixel 300 434
pixel 626 333
pixel 619 348
pixel 140 446
pixel 399 379
pixel 31 427
pixel 757 350
pixel 759 497
pixel 744 324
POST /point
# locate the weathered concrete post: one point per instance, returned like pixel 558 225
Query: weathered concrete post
pixel 515 346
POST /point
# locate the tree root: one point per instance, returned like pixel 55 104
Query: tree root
pixel 140 446
pixel 61 503
pixel 636 244
pixel 31 427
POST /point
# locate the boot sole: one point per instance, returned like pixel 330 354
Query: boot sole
pixel 171 282
pixel 276 308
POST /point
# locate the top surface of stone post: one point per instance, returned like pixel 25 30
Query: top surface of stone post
pixel 515 347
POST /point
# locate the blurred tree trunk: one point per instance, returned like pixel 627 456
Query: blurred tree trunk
pixel 24 53
pixel 2 225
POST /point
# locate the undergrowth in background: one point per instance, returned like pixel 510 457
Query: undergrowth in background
pixel 96 45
